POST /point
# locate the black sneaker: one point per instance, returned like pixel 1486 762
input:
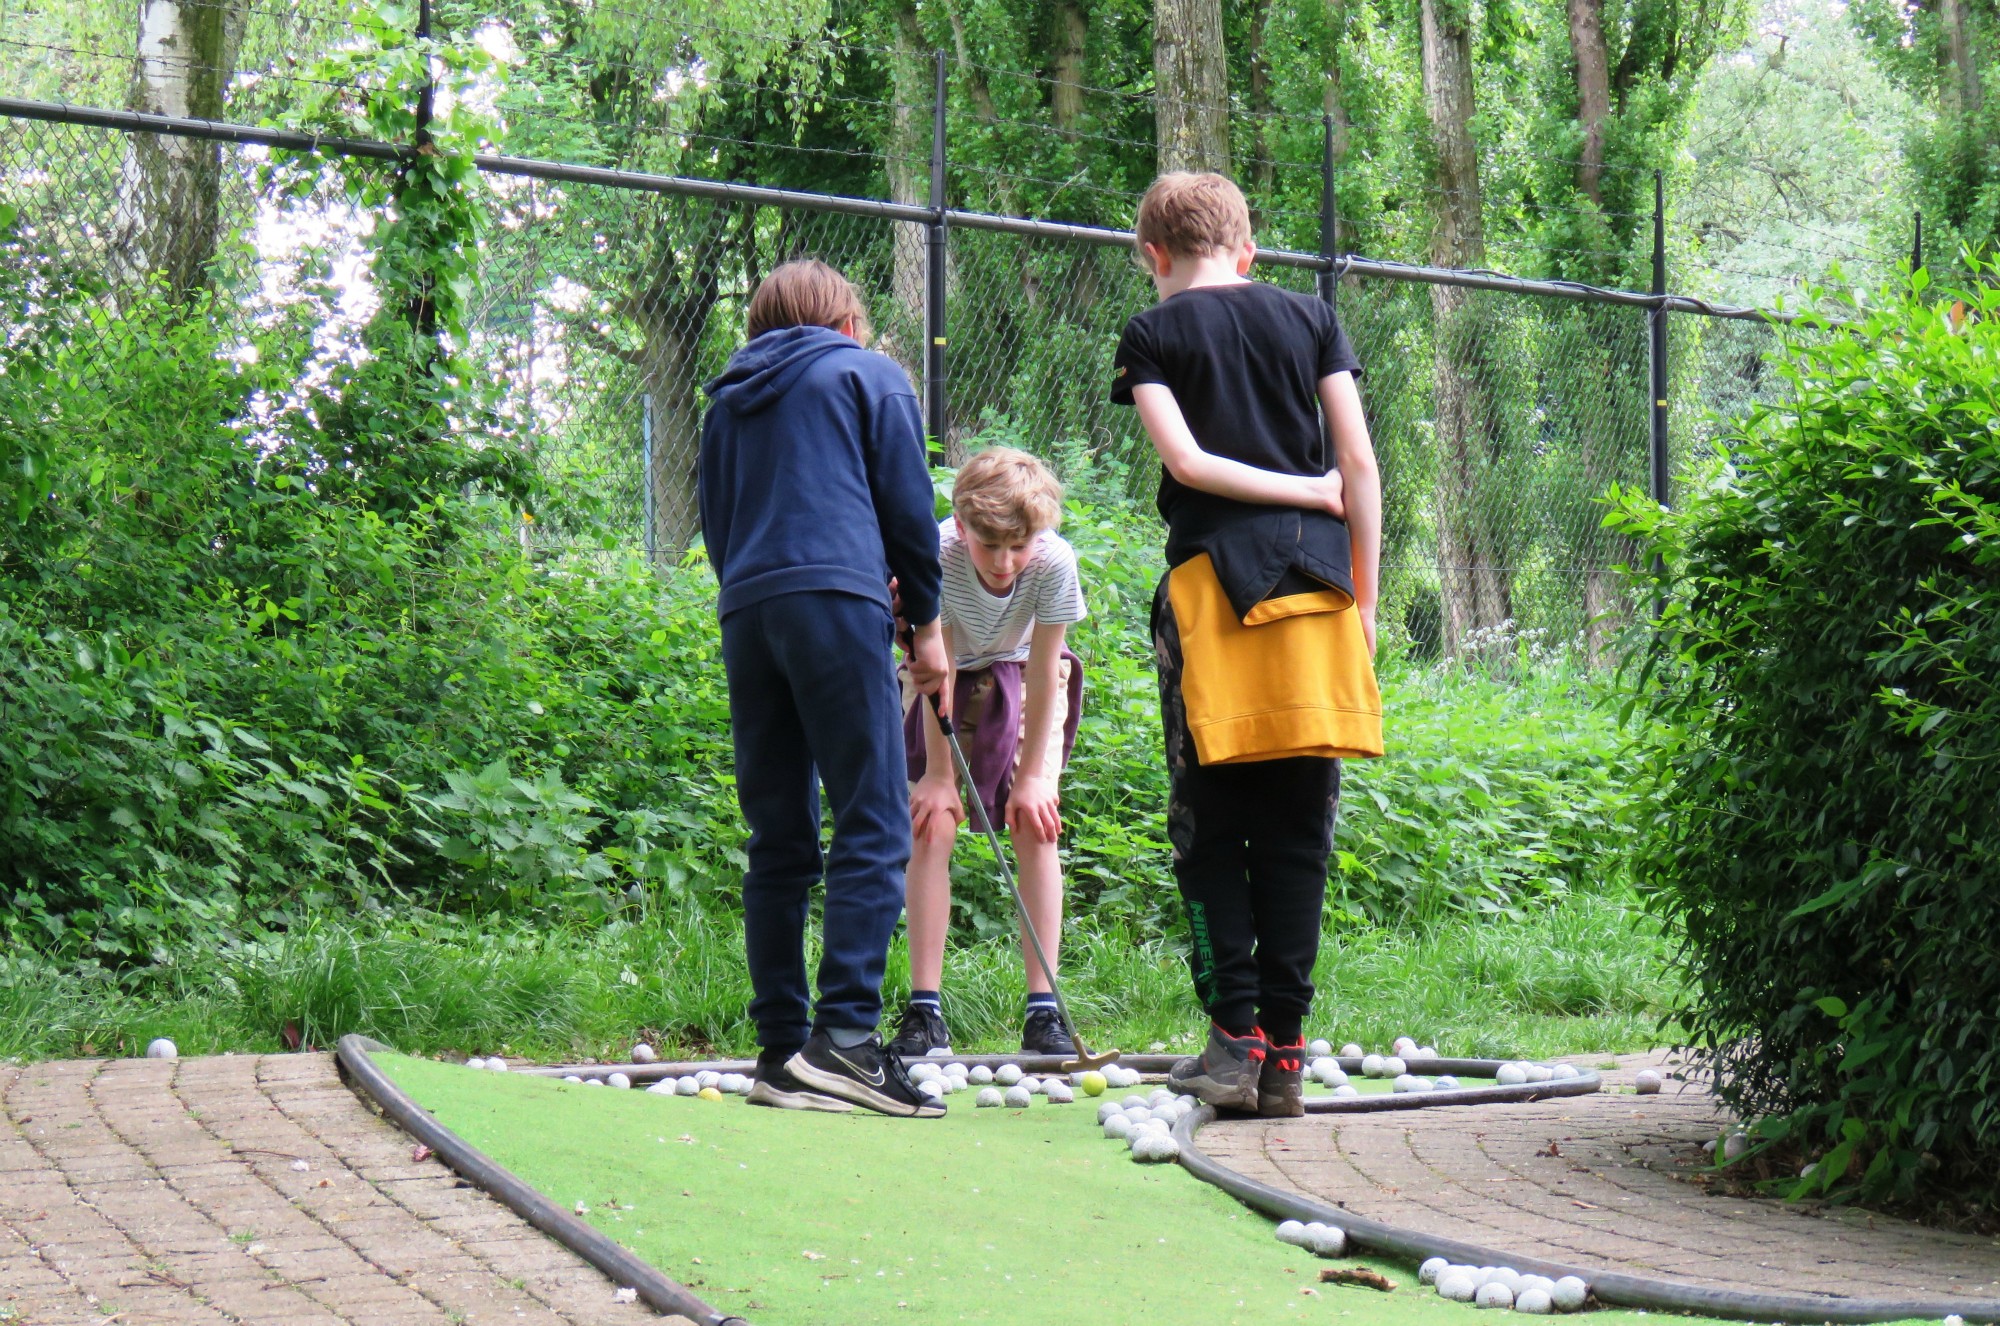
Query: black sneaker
pixel 1281 1086
pixel 1042 1033
pixel 1225 1073
pixel 921 1033
pixel 781 1091
pixel 868 1075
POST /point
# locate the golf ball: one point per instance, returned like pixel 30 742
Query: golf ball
pixel 573 1078
pixel 593 1081
pixel 1538 1072
pixel 1160 1147
pixel 474 1062
pixel 734 1084
pixel 685 1086
pixel 1107 1108
pixel 1394 1066
pixel 1157 1097
pixel 1458 1284
pixel 1292 1232
pixel 1534 1300
pixel 1347 1089
pixel 1404 1046
pixel 1503 1275
pixel 1058 1092
pixel 1569 1294
pixel 1326 1240
pixel 1425 1052
pixel 707 1077
pixel 1511 1075
pixel 1019 1097
pixel 1318 1049
pixel 1093 1083
pixel 989 1098
pixel 1136 1103
pixel 922 1073
pixel 1350 1051
pixel 1734 1147
pixel 1007 1074
pixel 932 1089
pixel 1541 1282
pixel 1809 1170
pixel 496 1064
pixel 1493 1294
pixel 663 1087
pixel 1427 1274
pixel 708 1093
pixel 620 1080
pixel 1647 1081
pixel 1118 1125
pixel 980 1075
pixel 1372 1066
pixel 643 1053
pixel 1564 1071
pixel 1031 1085
pixel 957 1070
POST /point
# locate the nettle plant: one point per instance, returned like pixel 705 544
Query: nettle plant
pixel 1824 829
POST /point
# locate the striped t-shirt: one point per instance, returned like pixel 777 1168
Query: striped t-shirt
pixel 987 628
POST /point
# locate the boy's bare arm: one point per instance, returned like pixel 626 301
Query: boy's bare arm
pixel 935 808
pixel 1034 807
pixel 1209 473
pixel 1355 452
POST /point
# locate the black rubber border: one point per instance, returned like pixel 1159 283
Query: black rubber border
pixel 624 1269
pixel 1613 1288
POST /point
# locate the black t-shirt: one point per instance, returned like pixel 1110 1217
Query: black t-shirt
pixel 1244 362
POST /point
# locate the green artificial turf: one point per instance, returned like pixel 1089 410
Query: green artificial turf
pixel 992 1215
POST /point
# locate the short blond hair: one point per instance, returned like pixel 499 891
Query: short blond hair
pixel 1189 215
pixel 1004 493
pixel 805 292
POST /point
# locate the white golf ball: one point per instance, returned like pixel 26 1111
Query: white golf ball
pixel 1503 1275
pixel 1347 1089
pixel 1404 1046
pixel 1019 1097
pixel 496 1064
pixel 989 1098
pixel 1569 1294
pixel 1058 1091
pixel 957 1070
pixel 1407 1083
pixel 1735 1147
pixel 1425 1052
pixel 663 1087
pixel 1350 1051
pixel 1493 1294
pixel 1319 1049
pixel 1427 1274
pixel 1372 1066
pixel 1457 1284
pixel 1647 1081
pixel 1317 1068
pixel 1954 1319
pixel 1809 1170
pixel 620 1080
pixel 685 1086
pixel 979 1075
pixel 1118 1125
pixel 1007 1074
pixel 643 1053
pixel 1535 1301
pixel 1326 1241
pixel 1447 1083
pixel 1292 1232
pixel 1157 1097
pixel 1541 1282
pixel 932 1089
pixel 1563 1072
pixel 1153 1148
pixel 598 1082
pixel 1031 1084
pixel 921 1073
pixel 707 1077
pixel 573 1078
pixel 474 1062
pixel 1538 1072
pixel 735 1083
pixel 1708 1147
pixel 1136 1103
pixel 1394 1066
pixel 1511 1075
pixel 1107 1108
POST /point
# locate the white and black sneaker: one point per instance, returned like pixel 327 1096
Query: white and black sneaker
pixel 921 1033
pixel 778 1089
pixel 867 1074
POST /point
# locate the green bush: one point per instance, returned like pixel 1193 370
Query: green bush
pixel 1825 766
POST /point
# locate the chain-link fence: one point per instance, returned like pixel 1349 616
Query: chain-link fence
pixel 1501 415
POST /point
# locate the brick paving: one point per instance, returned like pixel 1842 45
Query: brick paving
pixel 253 1189
pixel 1590 1181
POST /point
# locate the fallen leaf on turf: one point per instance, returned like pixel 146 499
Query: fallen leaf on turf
pixel 812 1256
pixel 1359 1276
pixel 1585 1205
pixel 420 1153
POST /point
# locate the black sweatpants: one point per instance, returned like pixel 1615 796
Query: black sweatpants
pixel 1250 843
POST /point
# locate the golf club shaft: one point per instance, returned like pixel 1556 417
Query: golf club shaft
pixel 950 731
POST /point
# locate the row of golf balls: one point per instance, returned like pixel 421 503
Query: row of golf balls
pixel 1503 1287
pixel 1514 1074
pixel 1016 1090
pixel 1318 1239
pixel 1404 1047
pixel 1145 1124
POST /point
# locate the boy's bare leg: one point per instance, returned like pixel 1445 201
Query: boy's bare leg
pixel 1041 889
pixel 927 908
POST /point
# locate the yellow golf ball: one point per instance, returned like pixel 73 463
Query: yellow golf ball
pixel 1093 1083
pixel 708 1093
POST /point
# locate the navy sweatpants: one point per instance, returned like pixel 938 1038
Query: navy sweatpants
pixel 813 700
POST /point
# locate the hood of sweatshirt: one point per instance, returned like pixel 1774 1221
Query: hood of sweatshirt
pixel 759 375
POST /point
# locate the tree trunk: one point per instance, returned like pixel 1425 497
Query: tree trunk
pixel 1963 94
pixel 1471 569
pixel 1068 33
pixel 909 144
pixel 1190 86
pixel 1593 92
pixel 1262 171
pixel 169 195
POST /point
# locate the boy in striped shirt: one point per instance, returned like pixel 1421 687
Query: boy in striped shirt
pixel 1010 592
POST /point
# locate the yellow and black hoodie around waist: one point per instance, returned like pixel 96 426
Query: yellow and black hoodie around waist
pixel 1275 663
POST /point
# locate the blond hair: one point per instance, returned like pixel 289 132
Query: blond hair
pixel 805 292
pixel 1004 493
pixel 1189 215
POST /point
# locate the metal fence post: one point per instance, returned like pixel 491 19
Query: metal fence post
pixel 1662 479
pixel 647 498
pixel 1917 243
pixel 936 256
pixel 1329 219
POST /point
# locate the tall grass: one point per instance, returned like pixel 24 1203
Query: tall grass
pixel 1584 975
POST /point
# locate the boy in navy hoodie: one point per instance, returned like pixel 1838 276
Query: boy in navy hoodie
pixel 814 492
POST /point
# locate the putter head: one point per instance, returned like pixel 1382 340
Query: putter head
pixel 1085 1059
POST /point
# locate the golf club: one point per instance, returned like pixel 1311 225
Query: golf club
pixel 1084 1058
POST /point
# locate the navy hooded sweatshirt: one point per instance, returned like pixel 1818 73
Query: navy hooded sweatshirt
pixel 813 475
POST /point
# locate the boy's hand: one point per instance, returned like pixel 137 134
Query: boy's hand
pixel 928 661
pixel 1331 490
pixel 1034 808
pixel 935 810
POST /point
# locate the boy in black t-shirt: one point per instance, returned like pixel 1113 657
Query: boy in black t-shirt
pixel 1264 627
